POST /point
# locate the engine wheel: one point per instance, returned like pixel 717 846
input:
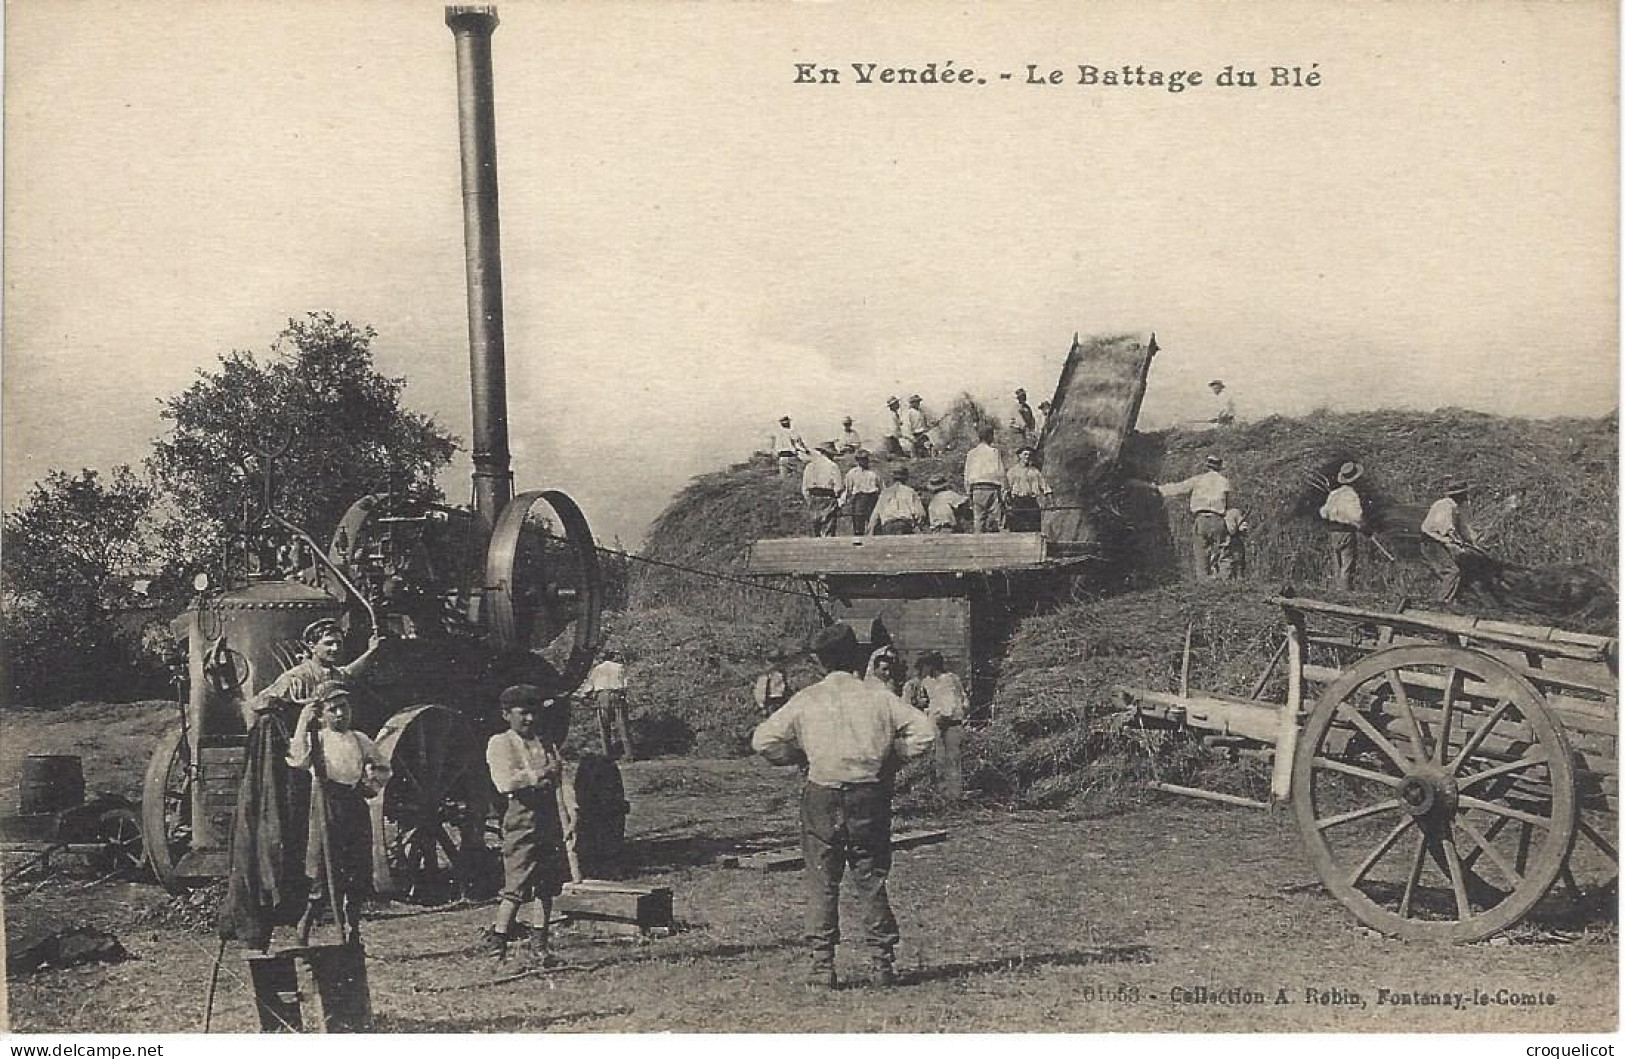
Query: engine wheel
pixel 429 820
pixel 544 585
pixel 166 806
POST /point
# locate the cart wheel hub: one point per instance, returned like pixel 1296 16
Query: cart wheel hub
pixel 1425 794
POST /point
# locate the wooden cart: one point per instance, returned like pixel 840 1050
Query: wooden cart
pixel 1446 772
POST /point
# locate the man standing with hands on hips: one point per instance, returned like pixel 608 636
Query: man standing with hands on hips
pixel 851 736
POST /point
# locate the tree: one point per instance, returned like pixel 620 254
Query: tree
pixel 68 557
pixel 347 435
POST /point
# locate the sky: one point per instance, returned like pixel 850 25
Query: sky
pixel 693 244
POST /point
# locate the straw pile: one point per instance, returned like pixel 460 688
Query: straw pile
pixel 1546 492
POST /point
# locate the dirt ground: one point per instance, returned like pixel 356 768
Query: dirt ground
pixel 1174 916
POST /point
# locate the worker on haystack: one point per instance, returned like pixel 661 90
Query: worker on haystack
pixel 1345 512
pixel 852 736
pixel 918 427
pixel 346 769
pixel 1209 494
pixel 1024 422
pixel 1450 545
pixel 823 489
pixel 942 513
pixel 527 767
pixel 985 477
pixel 862 486
pixel 1043 421
pixel 1233 552
pixel 1026 495
pixel 1224 408
pixel 848 442
pixel 899 509
pixel 898 441
pixel 786 446
pixel 295 686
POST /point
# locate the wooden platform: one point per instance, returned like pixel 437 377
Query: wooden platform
pixel 935 553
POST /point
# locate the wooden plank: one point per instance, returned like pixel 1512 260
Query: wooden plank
pixel 786 859
pixel 931 553
pixel 1583 714
pixel 1250 719
pixel 1471 628
pixel 643 906
pixel 1210 796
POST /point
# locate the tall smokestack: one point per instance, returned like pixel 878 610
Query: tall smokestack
pixel 482 240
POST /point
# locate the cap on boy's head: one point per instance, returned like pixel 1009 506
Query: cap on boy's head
pixel 319 628
pixel 1215 462
pixel 330 691
pixel 521 696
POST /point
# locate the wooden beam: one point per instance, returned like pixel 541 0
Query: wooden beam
pixel 786 859
pixel 1210 796
pixel 920 554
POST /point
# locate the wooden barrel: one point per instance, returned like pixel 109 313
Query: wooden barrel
pixel 51 783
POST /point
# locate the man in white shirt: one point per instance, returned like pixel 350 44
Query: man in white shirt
pixel 899 509
pixel 898 441
pixel 527 768
pixel 848 442
pixel 786 446
pixel 942 513
pixel 985 477
pixel 1209 494
pixel 937 691
pixel 822 489
pixel 918 427
pixel 606 687
pixel 852 735
pixel 1346 514
pixel 1026 495
pixel 1224 408
pixel 862 492
pixel 1449 543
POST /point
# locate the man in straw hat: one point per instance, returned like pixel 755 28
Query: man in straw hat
pixel 862 492
pixel 1345 512
pixel 899 509
pixel 1450 545
pixel 849 441
pixel 1224 408
pixel 1024 422
pixel 786 446
pixel 1209 494
pixel 852 735
pixel 918 427
pixel 898 442
pixel 942 513
pixel 346 769
pixel 823 489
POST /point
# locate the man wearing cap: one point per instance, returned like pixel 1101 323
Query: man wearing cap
pixel 1028 491
pixel 1449 544
pixel 1209 494
pixel 323 640
pixel 896 437
pixel 1024 422
pixel 1224 409
pixel 786 446
pixel 942 513
pixel 862 492
pixel 915 423
pixel 1346 514
pixel 822 489
pixel 346 769
pixel 606 687
pixel 985 479
pixel 899 509
pixel 848 442
pixel 851 736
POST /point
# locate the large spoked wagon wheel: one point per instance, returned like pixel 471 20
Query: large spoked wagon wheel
pixel 429 821
pixel 1435 793
pixel 166 806
pixel 544 584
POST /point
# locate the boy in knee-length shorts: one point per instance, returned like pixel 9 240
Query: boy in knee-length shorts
pixel 526 766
